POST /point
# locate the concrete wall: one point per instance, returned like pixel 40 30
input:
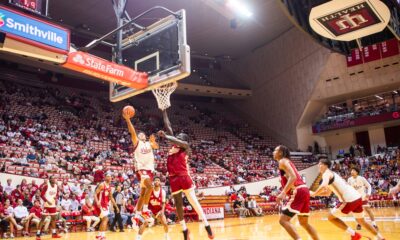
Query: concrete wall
pixel 377 137
pixel 340 140
pixel 256 187
pixel 282 76
pixel 338 83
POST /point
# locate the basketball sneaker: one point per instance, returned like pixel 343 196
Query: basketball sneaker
pixel 210 232
pixel 186 234
pixel 356 236
pixel 55 235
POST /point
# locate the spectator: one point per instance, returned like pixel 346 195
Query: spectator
pixel 253 207
pixel 36 214
pixel 9 216
pixel 89 215
pixel 8 188
pixel 21 216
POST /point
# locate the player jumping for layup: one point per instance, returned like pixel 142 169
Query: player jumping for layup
pixel 179 177
pixel 350 200
pixel 144 157
pixel 294 186
pixel 49 193
pixel 364 188
pixel 157 207
pixel 102 199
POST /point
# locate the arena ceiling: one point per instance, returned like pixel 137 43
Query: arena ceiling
pixel 209 22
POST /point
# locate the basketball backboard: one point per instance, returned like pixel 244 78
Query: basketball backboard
pixel 161 50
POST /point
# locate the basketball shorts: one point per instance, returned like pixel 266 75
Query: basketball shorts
pixel 142 175
pixel 299 202
pixel 49 211
pixel 180 183
pixel 155 209
pixel 102 212
pixel 355 207
pixel 365 203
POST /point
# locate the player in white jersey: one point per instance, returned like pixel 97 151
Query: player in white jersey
pixel 364 188
pixel 394 190
pixel 144 158
pixel 49 193
pixel 350 200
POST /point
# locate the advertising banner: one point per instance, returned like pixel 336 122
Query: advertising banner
pixel 34 31
pixel 100 68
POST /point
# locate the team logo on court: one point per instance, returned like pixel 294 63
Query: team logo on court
pixel 349 20
pixel 2 22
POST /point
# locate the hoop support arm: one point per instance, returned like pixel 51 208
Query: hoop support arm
pixel 96 42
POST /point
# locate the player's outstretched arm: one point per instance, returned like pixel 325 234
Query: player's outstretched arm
pixel 167 123
pixel 174 140
pixel 323 189
pixel 131 129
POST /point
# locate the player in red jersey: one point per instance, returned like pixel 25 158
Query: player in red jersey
pixel 294 187
pixel 49 194
pixel 179 178
pixel 157 207
pixel 102 199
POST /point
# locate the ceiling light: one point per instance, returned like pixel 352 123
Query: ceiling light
pixel 379 97
pixel 239 7
pixel 395 92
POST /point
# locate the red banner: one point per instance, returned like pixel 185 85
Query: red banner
pixel 371 53
pixel 106 70
pixel 355 58
pixel 374 52
pixel 389 48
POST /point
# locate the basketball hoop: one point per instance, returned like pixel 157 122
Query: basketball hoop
pixel 163 94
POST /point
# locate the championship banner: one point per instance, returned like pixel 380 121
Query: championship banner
pixel 355 58
pixel 347 20
pixel 389 48
pixel 371 53
pixel 34 31
pixel 214 212
pixel 106 70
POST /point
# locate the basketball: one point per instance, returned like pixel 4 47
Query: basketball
pixel 129 111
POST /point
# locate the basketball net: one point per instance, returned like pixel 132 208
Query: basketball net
pixel 163 94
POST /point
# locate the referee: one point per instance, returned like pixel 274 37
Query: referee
pixel 119 199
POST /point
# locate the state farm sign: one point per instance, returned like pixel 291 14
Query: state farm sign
pixel 347 20
pixel 106 70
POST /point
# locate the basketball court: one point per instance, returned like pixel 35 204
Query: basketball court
pixel 388 220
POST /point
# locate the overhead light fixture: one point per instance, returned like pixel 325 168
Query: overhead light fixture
pixel 239 7
pixel 379 97
pixel 395 92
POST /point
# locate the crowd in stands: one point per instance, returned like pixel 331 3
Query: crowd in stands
pixel 381 170
pixel 21 206
pixel 67 132
pixel 337 114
